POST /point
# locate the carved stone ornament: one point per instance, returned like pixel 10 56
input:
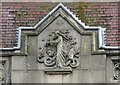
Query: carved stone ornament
pixel 116 70
pixel 2 72
pixel 59 51
pixel 116 67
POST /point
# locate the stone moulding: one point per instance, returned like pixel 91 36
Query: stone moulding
pixel 101 31
pixel 57 71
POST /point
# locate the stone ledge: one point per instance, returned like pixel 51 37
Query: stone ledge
pixel 57 71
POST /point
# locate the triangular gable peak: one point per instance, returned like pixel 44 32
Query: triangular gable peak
pixel 64 12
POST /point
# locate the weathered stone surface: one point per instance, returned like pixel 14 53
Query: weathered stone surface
pixel 35 77
pixel 32 52
pixel 40 66
pixel 93 62
pixel 86 45
pixel 19 76
pixel 85 76
pixel 109 70
pixel 19 63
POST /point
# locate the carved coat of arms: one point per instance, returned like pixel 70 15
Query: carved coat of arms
pixel 59 51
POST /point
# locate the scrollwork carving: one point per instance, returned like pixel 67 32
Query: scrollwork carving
pixel 59 51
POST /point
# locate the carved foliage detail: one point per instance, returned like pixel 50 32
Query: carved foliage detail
pixel 59 51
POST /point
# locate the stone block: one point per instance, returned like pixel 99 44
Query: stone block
pixel 93 62
pixel 19 77
pixel 31 62
pixel 32 45
pixel 19 63
pixel 86 45
pixel 32 76
pixel 40 66
pixel 54 79
pixel 85 76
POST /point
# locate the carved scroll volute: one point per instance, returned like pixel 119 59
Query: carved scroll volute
pixel 59 51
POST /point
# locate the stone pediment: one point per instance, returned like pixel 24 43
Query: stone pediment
pixel 60 18
pixel 59 40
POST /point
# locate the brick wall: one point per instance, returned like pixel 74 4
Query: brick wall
pixel 16 14
pixel 119 23
pixel 103 14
